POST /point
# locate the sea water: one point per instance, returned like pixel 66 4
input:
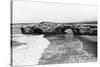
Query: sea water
pixel 30 51
pixel 53 49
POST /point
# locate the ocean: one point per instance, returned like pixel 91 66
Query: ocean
pixel 64 48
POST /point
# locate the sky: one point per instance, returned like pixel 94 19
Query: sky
pixel 35 12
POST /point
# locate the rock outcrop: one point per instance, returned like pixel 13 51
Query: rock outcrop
pixel 60 28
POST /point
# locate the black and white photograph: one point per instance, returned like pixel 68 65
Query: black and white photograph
pixel 45 33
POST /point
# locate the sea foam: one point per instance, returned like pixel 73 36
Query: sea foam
pixel 31 52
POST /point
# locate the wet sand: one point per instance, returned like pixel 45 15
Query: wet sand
pixel 69 49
